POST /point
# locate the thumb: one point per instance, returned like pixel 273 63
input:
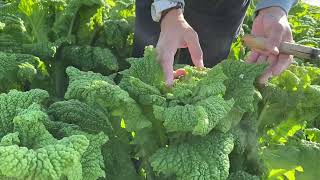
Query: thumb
pixel 192 41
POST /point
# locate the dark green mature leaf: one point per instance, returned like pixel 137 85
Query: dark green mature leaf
pixel 147 65
pixel 96 91
pixel 204 158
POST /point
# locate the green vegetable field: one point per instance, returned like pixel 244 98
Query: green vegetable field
pixel 75 106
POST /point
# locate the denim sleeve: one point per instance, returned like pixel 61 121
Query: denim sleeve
pixel 284 4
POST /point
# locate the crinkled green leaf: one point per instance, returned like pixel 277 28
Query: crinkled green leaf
pixel 199 118
pixel 239 87
pixel 98 92
pixel 217 109
pixel 212 84
pixel 240 82
pixel 289 156
pixel 90 58
pixel 39 155
pixel 198 104
pixel 297 77
pixel 10 139
pixel 11 103
pixel 18 69
pixel 186 118
pixel 242 175
pixel 68 13
pixel 92 159
pixel 78 113
pixel 145 94
pixel 118 161
pixel 296 100
pixel 198 158
pixel 148 65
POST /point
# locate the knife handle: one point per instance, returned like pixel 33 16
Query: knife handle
pixel 297 50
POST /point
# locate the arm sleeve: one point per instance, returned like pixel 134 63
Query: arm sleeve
pixel 182 1
pixel 284 4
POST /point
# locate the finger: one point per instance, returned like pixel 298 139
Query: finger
pixel 259 33
pixel 263 79
pixel 262 52
pixel 192 41
pixel 253 57
pixel 282 64
pixel 272 59
pixel 166 58
pixel 262 59
pixel 274 39
pixel 167 65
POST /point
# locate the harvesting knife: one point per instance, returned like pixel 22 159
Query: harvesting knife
pixel 297 50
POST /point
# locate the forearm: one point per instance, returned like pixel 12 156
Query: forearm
pixel 286 5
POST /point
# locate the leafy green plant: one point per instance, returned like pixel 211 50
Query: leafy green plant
pixel 107 118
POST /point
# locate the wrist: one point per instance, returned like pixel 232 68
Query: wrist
pixel 171 16
pixel 161 7
pixel 165 12
pixel 275 11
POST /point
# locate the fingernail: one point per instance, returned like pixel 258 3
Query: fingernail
pixel 275 50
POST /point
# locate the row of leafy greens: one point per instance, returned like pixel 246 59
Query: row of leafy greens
pixel 90 35
pixel 100 117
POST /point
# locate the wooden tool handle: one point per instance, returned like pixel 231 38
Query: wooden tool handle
pixel 297 50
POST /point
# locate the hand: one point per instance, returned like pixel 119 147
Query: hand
pixel 177 33
pixel 272 23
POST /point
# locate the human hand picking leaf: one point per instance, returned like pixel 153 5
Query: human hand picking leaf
pixel 177 33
